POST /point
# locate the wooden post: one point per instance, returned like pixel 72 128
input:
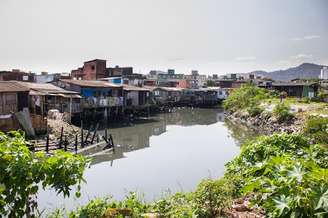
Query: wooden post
pixel 111 141
pixel 75 145
pixel 47 144
pixel 61 138
pixel 94 133
pixel 106 134
pixel 70 109
pixel 87 136
pixel 65 144
pixel 82 139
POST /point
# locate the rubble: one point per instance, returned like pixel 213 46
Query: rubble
pixel 56 121
pixel 241 208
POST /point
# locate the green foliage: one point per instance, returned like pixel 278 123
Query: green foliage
pixel 131 206
pixel 176 206
pixel 212 196
pixel 287 175
pixel 245 97
pixel 316 128
pixel 254 110
pixel 22 171
pixel 95 208
pixel 322 95
pixel 210 83
pixel 282 112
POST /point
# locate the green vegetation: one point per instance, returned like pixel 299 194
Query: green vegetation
pixel 284 174
pixel 248 98
pixel 316 128
pixel 23 172
pixel 282 112
pixel 210 83
pixel 287 175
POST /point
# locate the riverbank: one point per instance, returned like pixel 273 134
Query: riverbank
pixel 266 122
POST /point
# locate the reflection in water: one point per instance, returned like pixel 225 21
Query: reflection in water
pixel 137 136
pixel 172 151
pixel 240 132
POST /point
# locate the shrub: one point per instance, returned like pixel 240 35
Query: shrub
pixel 176 206
pixel 211 197
pixel 286 174
pixel 317 129
pixel 244 97
pixel 130 206
pixel 282 112
pixel 254 110
pixel 22 171
pixel 95 208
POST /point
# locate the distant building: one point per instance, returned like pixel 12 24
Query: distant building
pixel 229 83
pixel 171 71
pixel 17 75
pixel 196 80
pixel 91 70
pixel 295 89
pixel 119 71
pixel 324 73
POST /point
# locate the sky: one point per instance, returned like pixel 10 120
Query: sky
pixel 211 36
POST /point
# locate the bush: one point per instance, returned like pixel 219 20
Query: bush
pixel 282 112
pixel 254 110
pixel 22 171
pixel 211 197
pixel 316 128
pixel 176 206
pixel 95 208
pixel 131 206
pixel 286 174
pixel 244 97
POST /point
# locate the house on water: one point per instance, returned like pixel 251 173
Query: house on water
pixel 100 99
pixel 45 96
pixel 136 98
pixel 14 110
pixel 167 95
pixel 13 98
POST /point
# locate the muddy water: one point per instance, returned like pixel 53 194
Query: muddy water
pixel 168 153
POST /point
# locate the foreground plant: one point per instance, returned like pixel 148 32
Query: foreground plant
pixel 287 175
pixel 316 128
pixel 23 172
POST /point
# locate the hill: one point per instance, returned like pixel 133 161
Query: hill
pixel 303 71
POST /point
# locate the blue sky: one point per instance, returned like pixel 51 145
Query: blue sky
pixel 211 36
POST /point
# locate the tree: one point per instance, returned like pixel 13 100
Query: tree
pixel 23 172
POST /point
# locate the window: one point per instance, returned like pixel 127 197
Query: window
pixel 93 67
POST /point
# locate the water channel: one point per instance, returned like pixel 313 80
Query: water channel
pixel 168 153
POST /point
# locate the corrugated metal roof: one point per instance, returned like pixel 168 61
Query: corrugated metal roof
pixel 294 84
pixel 134 88
pixel 91 83
pixel 12 86
pixel 45 89
pixel 174 89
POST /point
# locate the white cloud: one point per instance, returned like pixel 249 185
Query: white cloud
pixel 308 37
pixel 247 58
pixel 302 56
